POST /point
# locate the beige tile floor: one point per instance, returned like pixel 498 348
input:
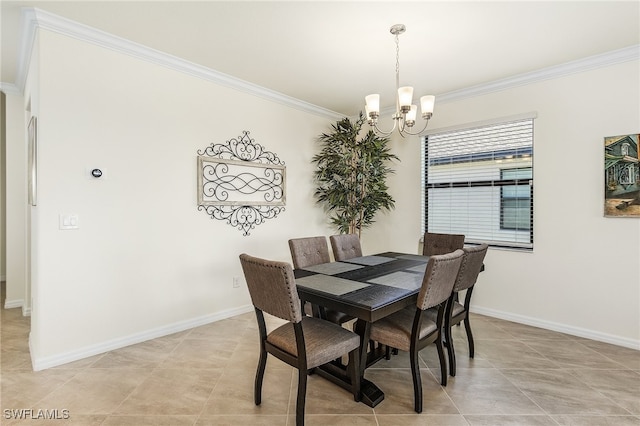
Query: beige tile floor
pixel 520 376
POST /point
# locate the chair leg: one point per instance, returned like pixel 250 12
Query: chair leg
pixel 450 351
pixel 387 352
pixel 302 391
pixel 467 327
pixel 443 363
pixel 257 391
pixel 354 374
pixel 417 381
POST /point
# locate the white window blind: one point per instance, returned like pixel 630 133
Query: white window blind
pixel 479 182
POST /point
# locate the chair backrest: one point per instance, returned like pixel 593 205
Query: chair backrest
pixel 272 287
pixel 309 251
pixel 439 278
pixel 441 243
pixel 471 266
pixel 345 246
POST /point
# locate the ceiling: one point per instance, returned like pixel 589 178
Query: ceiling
pixel 333 53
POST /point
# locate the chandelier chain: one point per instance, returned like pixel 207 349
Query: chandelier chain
pixel 397 61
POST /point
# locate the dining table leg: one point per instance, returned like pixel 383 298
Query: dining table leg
pixel 372 395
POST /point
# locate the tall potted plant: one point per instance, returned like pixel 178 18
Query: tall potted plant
pixel 351 175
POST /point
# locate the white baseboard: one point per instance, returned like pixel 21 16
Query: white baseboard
pixel 42 363
pixel 10 304
pixel 562 328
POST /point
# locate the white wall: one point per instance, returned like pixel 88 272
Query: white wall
pixel 399 229
pixel 3 186
pixel 16 202
pixel 583 276
pixel 144 260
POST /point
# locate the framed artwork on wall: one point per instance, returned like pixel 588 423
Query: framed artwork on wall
pixel 240 182
pixel 224 182
pixel 622 176
pixel 32 131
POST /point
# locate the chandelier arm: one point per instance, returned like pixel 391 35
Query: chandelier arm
pixel 402 125
pixel 404 130
pixel 382 132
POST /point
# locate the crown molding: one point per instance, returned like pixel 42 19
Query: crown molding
pixel 28 26
pixel 631 53
pixel 10 89
pixel 34 19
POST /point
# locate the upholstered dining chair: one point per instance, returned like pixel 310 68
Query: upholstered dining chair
pixel 455 313
pixel 303 342
pixel 310 251
pixel 435 243
pixel 345 246
pixel 410 330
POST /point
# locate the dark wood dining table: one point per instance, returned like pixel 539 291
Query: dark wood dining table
pixel 367 288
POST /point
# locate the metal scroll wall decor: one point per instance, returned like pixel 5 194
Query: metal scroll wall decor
pixel 240 182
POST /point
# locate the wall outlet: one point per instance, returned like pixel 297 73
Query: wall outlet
pixel 236 282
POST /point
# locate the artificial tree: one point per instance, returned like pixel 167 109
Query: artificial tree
pixel 351 175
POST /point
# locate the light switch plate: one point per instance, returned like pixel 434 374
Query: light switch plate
pixel 69 221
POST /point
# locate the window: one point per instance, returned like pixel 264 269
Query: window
pixel 478 181
pixel 515 200
pixel 625 149
pixel 626 173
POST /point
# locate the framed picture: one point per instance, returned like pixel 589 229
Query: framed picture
pixel 33 160
pixel 622 176
pixel 241 183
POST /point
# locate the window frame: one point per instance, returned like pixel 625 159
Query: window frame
pixel 517 182
pixel 500 182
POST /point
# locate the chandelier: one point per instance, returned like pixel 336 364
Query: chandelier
pixel 405 116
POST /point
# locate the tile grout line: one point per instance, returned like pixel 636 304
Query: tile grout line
pixel 195 418
pixel 155 368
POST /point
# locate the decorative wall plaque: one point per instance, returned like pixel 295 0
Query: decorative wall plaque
pixel 240 182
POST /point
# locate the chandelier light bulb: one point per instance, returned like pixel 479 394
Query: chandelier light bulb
pixel 405 97
pixel 427 103
pixel 373 105
pixel 410 119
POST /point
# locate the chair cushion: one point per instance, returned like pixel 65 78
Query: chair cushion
pixel 395 330
pixel 324 341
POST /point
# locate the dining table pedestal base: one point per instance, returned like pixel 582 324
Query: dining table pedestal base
pixel 371 394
